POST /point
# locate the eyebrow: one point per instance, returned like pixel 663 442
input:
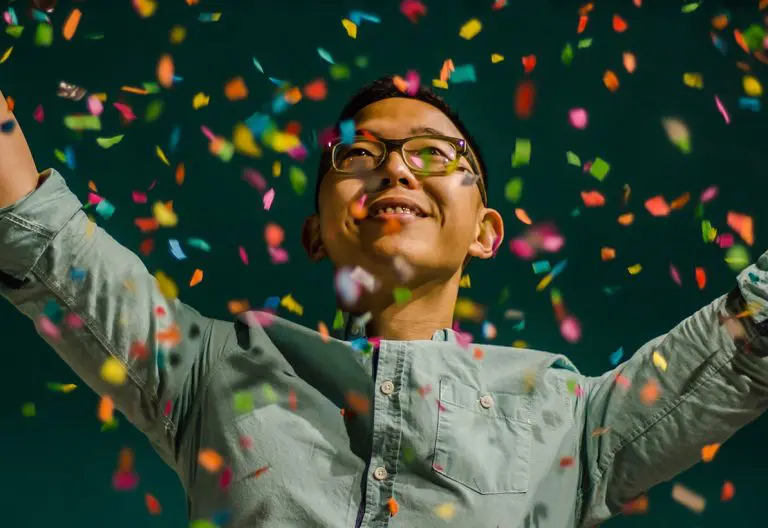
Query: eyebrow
pixel 415 130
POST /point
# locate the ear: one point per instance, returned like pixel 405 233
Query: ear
pixel 489 234
pixel 311 240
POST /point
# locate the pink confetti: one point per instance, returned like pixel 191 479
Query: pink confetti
pixel 298 153
pixel 578 118
pixel 413 80
pixel 243 255
pixel 246 442
pixel 521 249
pixel 125 480
pixel 7 18
pixel 570 329
pixel 94 199
pixel 587 166
pixel 168 408
pixel 73 321
pixel 38 115
pixel 578 391
pixel 95 107
pixel 126 111
pixel 722 110
pixel 708 194
pixel 139 197
pixel 413 9
pixel 152 186
pixel 225 479
pixel 269 197
pixel 675 275
pixel 725 240
pixel 254 179
pixel 208 133
pixel 326 137
pixel 623 381
pixel 278 255
pixel 48 329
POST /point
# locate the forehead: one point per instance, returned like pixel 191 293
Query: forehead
pixel 399 117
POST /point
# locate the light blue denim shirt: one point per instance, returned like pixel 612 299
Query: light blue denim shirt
pixel 312 431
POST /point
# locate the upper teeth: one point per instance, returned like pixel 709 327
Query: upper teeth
pixel 398 210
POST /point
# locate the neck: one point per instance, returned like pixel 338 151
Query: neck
pixel 431 308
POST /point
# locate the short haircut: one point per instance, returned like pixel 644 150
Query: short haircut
pixel 384 88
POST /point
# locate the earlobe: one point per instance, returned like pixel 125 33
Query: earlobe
pixel 311 239
pixel 489 236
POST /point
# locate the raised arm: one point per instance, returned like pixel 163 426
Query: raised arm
pixel 18 176
pixel 696 385
pixel 96 304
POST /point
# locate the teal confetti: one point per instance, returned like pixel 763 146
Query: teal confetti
pixel 258 65
pixel 325 56
pixel 463 73
pixel 199 243
pixel 541 266
pixel 615 358
pixel 105 209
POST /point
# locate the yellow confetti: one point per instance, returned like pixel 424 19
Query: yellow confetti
pixel 210 460
pixel 544 282
pixel 276 169
pixel 178 34
pixel 166 286
pixel 112 371
pixel 693 80
pixel 437 83
pixel 90 228
pixel 350 26
pixel 752 86
pixel 446 511
pixel 281 142
pixel 200 100
pixel 69 387
pixel 469 30
pixel 708 452
pixel 468 309
pixel 465 282
pixel 244 141
pixel 496 57
pixel 634 270
pixel 164 215
pixel 290 303
pixel 659 360
pixel 145 8
pixel 6 55
pixel 161 155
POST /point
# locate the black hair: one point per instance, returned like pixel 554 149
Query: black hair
pixel 384 88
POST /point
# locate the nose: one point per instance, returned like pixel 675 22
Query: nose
pixel 395 172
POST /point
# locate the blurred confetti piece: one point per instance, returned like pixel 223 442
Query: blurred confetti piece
pixel 235 89
pixel 728 491
pixel 752 86
pixel 693 80
pixel 578 118
pixel 529 63
pixel 523 216
pixel 210 460
pixel 60 387
pixel 393 506
pixel 678 133
pixel 197 278
pixel 166 286
pixel 113 371
pixel 593 198
pixel 165 71
pixel 675 275
pixel 635 269
pixel 599 169
pixel 691 500
pixel 657 206
pixel 470 29
pixel 738 258
pixel 5 55
pixel 743 225
pixel 610 80
pixel 701 278
pixel 708 452
pixel 496 58
pixel 350 27
pixel 200 100
pixel 722 110
pixel 650 392
pixel 570 329
pixel 639 505
pixel 106 143
pixel 659 361
pixel 525 98
pixel 629 60
pixel 325 55
pixel 243 255
pixel 619 24
pixel 413 9
pixel 70 25
pixel 607 253
pixel 445 511
pixel 106 409
pixel 153 505
pixel 161 155
pixel 28 410
pixel 615 357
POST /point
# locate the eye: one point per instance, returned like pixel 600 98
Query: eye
pixel 358 152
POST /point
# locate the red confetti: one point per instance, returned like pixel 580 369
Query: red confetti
pixel 701 278
pixel 593 198
pixel 225 479
pixel 413 9
pixel 292 403
pixel 153 505
pixel 259 472
pixel 566 461
pixel 619 24
pixel 525 97
pixel 728 491
pixel 529 63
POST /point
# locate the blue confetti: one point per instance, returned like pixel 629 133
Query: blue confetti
pixel 7 127
pixel 208 17
pixel 347 130
pixel 69 152
pixel 176 250
pixel 272 303
pixel 277 82
pixel 559 267
pixel 199 243
pixel 720 44
pixel 325 55
pixel 53 311
pixel 175 138
pixel 258 123
pixel 105 209
pixel 358 16
pixel 616 356
pixel 359 344
pixel 221 518
pixel 750 103
pixel 279 104
pixel 465 73
pixel 77 274
pixel 541 266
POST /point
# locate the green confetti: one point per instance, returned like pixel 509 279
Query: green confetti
pixel 706 229
pixel 109 142
pixel 754 37
pixel 154 110
pixel 573 159
pixel 338 320
pixel 690 8
pixel 151 87
pixel 402 295
pixel 14 31
pixel 109 426
pixel 737 257
pixel 243 402
pixel 269 393
pixel 339 72
pixel 522 154
pixel 504 295
pixel 600 168
pixel 566 57
pixel 82 122
pixel 584 43
pixel 361 62
pixel 325 55
pixel 572 386
pixel 513 191
pixel 44 35
pixel 60 155
pixel 61 387
pixel 298 180
pixel 202 523
pixel 28 410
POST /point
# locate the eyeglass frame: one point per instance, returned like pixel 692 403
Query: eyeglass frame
pixel 392 145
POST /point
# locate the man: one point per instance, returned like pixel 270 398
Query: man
pixel 269 423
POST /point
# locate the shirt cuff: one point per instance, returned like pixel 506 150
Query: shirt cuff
pixel 29 225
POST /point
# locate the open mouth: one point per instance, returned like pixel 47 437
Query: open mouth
pixel 399 209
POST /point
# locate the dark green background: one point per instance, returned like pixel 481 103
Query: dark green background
pixel 56 467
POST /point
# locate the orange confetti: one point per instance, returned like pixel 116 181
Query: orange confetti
pixel 165 71
pixel 153 505
pixel 293 95
pixel 626 219
pixel 447 68
pixel 180 174
pixel 729 490
pixel 529 63
pixel 238 307
pixel 393 506
pixel 392 226
pixel 358 403
pixel 70 25
pixel 125 460
pixel 322 329
pixel 629 60
pixel 657 206
pixel 236 90
pixel 638 3
pixel 763 4
pixel 743 225
pixel 610 80
pixel 293 402
pixel 607 253
pixel 639 505
pixel 274 235
pixel 708 452
pixel 566 461
pixel 720 22
pixel 650 392
pixel 619 24
pixel 523 216
pixel 146 225
pixel 593 198
pixel 400 83
pixel 583 19
pixel 701 278
pixel 586 9
pixel 11 102
pixel 317 90
pixel 680 202
pixel 106 409
pixel 197 278
pixel 259 472
pixel 170 336
pixel 134 90
pixel 740 40
pixel 210 460
pixel 478 353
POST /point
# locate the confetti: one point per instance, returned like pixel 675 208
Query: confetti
pixel 210 460
pixel 525 98
pixel 113 372
pixel 743 225
pixel 727 492
pixel 470 29
pixel 657 206
pixel 701 278
pixel 691 500
pixel 708 452
pixel 522 153
pixel 578 118
pixel 445 511
pixel 153 505
pixel 611 81
pixel 619 24
pixel 629 61
pixel 106 409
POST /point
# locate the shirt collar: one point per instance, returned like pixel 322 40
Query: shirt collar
pixel 353 328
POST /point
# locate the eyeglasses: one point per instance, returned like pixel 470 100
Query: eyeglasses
pixel 425 155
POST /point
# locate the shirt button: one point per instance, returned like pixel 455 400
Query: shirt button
pixel 387 388
pixel 380 473
pixel 486 402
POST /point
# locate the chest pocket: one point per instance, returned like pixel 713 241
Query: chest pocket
pixel 484 438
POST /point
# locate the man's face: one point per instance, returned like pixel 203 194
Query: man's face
pixel 451 223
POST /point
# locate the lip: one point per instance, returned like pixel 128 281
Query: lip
pixel 393 202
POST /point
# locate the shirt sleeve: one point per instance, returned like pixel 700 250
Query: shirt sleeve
pixel 96 304
pixel 648 419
